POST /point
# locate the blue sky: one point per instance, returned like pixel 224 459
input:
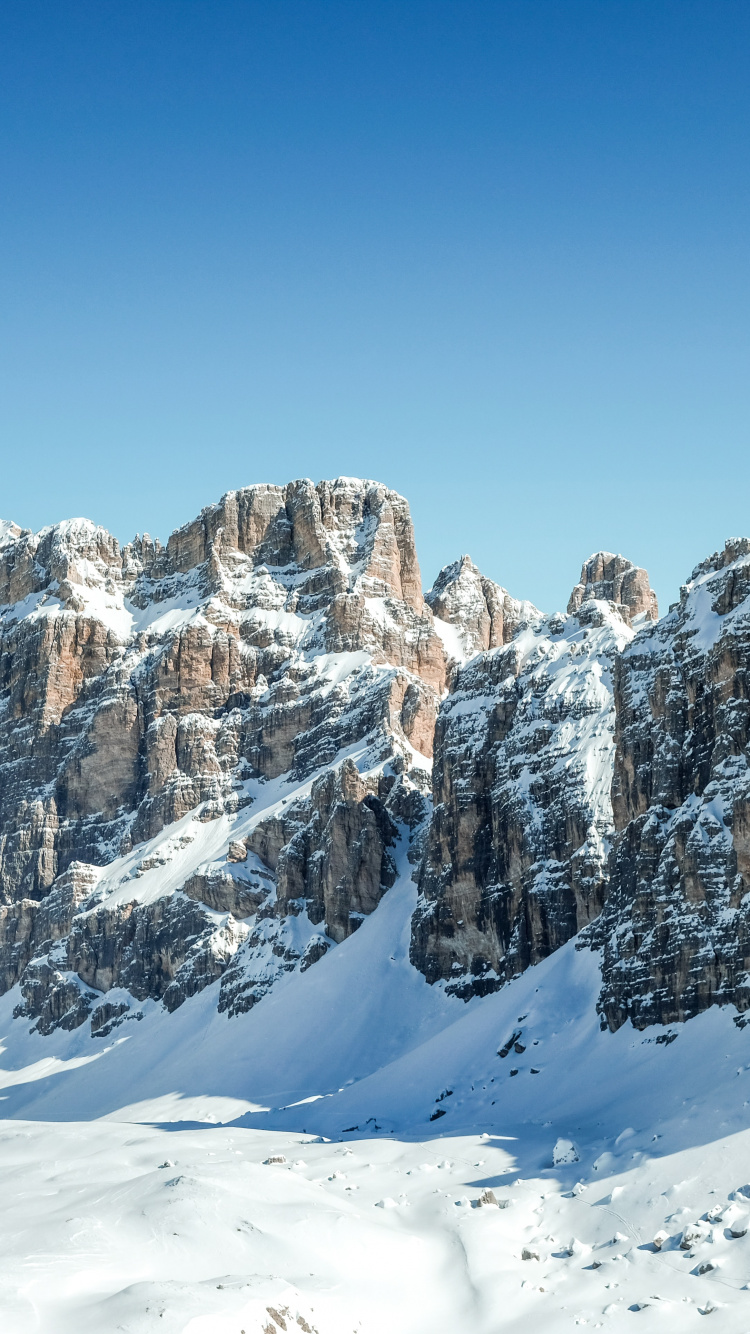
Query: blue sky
pixel 495 255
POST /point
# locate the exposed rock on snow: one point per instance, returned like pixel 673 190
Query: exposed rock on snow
pixel 488 1197
pixel 564 1152
pixel 215 752
pixel 331 855
pixel 276 676
pixel 609 578
pixel 331 850
pixel 279 627
pixel 167 950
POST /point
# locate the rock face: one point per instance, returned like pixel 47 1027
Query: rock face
pixel 331 854
pixel 71 942
pixel 151 687
pixel 331 850
pixel 609 578
pixel 473 613
pixel 215 761
pixel 675 931
pixel 516 855
pixel 136 684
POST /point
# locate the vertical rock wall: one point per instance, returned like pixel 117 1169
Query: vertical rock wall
pixel 516 856
pixel 675 933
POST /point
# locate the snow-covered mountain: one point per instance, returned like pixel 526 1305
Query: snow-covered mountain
pixel 206 747
pixel 675 929
pixel 516 856
pixel 428 1023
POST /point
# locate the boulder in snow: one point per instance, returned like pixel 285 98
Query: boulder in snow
pixel 564 1152
pixel 487 1197
pixel 692 1235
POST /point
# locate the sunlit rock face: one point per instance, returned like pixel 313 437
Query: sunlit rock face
pixel 517 853
pixel 142 682
pixel 674 933
pixel 275 637
pixel 473 613
pixel 609 578
pixel 215 762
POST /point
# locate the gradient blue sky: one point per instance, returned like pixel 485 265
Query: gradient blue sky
pixel 494 254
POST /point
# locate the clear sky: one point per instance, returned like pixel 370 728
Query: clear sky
pixel 493 254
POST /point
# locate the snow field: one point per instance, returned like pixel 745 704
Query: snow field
pixel 116 1227
pixel 600 1146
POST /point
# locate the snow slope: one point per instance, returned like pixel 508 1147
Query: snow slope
pixel 377 1226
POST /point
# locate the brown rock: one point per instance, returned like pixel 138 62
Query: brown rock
pixel 612 578
pixel 484 614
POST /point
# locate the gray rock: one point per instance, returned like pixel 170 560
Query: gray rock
pixel 517 850
pixel 675 932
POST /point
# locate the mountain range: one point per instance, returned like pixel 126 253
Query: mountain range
pixel 289 847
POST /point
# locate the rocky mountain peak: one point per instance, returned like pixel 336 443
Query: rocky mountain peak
pixel 480 613
pixel 612 578
pixel 281 626
pixel 734 549
pixel 360 532
pixel 216 762
pixel 516 855
pixel 58 558
pixel 9 531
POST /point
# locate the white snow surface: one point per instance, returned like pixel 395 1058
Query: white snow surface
pixel 453 641
pixel 138 1197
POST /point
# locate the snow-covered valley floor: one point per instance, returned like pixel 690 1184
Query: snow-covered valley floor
pixel 137 1196
pixel 110 1226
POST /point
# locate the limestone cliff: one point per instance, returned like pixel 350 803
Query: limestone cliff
pixel 153 688
pixel 472 613
pixel 516 855
pixel 215 761
pixel 675 932
pixel 281 625
pixel 609 578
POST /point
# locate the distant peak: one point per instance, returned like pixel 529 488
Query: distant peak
pixel 9 531
pixel 608 577
pixel 482 612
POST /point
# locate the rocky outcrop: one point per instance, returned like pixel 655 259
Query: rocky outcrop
pixel 331 851
pixel 473 613
pixel 332 857
pixel 516 855
pixel 609 578
pixel 72 952
pixel 215 757
pixel 151 688
pixel 276 629
pixel 675 932
pixel 28 924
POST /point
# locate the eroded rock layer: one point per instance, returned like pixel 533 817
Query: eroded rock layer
pixel 215 761
pixel 516 855
pixel 137 683
pixel 148 692
pixel 675 932
pixel 472 612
